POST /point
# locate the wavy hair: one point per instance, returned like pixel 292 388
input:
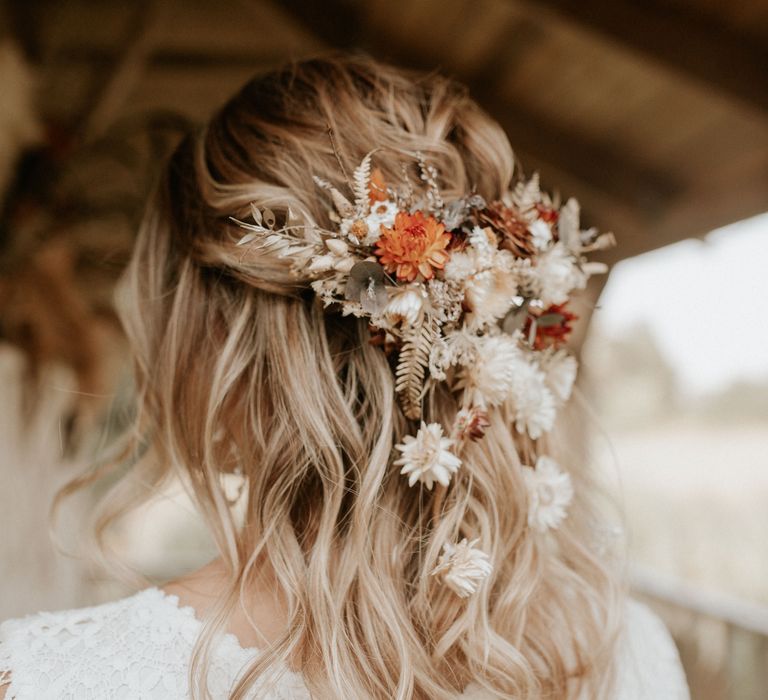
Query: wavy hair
pixel 239 368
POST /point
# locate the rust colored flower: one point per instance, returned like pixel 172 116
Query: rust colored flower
pixel 471 423
pixel 553 327
pixel 416 244
pixel 377 187
pixel 547 214
pixel 511 226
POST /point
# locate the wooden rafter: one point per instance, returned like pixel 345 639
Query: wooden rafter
pixel 121 76
pixel 680 39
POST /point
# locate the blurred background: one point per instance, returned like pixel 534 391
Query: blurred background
pixel 653 113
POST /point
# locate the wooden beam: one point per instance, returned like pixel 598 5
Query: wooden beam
pixel 680 39
pixel 120 78
pixel 173 59
pixel 338 23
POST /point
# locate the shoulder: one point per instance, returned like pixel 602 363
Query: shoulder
pixel 649 665
pixel 80 653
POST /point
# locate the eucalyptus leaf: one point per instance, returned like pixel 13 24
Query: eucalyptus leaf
pixel 365 284
pixel 515 318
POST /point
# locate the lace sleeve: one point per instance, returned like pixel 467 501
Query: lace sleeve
pixel 649 665
pixel 6 661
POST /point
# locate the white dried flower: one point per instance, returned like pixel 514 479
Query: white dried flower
pixel 541 233
pixel 484 242
pixel 533 402
pixel 560 369
pixel 405 304
pixel 368 229
pixel 382 213
pixel 550 492
pixel 462 566
pixel 462 265
pixel 557 275
pixel 462 346
pixel 491 376
pixel 490 295
pixel 428 457
pixel 568 225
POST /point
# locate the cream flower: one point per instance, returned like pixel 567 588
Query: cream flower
pixel 462 567
pixel 484 242
pixel 557 275
pixel 533 402
pixel 550 492
pixel 427 457
pixel 490 295
pixel 462 346
pixel 406 304
pixel 560 369
pixel 462 265
pixel 491 377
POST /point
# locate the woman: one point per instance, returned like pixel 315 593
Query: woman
pixel 343 294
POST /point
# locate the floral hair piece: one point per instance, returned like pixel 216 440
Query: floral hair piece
pixel 466 292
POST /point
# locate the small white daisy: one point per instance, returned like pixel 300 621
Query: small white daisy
pixel 492 375
pixel 462 567
pixel 427 457
pixel 550 492
pixel 533 402
pixel 381 213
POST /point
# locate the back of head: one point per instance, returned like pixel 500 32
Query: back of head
pixel 240 368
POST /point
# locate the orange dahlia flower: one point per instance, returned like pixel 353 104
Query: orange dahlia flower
pixel 415 244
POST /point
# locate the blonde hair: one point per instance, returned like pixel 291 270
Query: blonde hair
pixel 238 367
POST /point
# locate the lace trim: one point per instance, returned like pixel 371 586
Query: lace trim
pixel 140 648
pixel 191 614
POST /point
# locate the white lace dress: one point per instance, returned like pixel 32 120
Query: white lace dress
pixel 139 648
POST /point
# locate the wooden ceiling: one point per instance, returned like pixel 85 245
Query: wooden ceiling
pixel 654 113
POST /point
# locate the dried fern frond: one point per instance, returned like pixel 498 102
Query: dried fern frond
pixel 412 364
pixel 361 179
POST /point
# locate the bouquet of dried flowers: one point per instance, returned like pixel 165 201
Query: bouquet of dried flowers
pixel 467 292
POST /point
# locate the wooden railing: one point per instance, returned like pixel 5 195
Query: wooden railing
pixel 723 640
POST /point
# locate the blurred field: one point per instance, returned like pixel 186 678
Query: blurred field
pixel 695 496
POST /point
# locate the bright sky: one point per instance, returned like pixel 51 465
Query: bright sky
pixel 706 303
